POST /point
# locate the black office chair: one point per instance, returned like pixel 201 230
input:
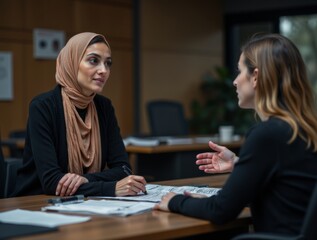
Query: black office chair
pixel 14 150
pixel 8 169
pixel 167 118
pixel 308 230
pixel 2 174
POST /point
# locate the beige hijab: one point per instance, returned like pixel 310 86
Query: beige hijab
pixel 83 137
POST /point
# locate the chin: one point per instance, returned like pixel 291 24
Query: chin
pixel 243 106
pixel 97 89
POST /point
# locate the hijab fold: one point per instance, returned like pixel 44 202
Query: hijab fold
pixel 83 136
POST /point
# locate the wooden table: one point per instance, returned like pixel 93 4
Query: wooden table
pixel 165 162
pixel 151 225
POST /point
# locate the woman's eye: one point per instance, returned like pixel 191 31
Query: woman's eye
pixel 108 63
pixel 93 61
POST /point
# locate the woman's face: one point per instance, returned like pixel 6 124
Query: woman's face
pixel 94 68
pixel 245 84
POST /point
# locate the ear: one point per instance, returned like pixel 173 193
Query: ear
pixel 254 77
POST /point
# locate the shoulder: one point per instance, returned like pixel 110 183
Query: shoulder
pixel 272 130
pixel 47 96
pixel 47 101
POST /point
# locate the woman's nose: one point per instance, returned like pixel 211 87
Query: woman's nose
pixel 103 69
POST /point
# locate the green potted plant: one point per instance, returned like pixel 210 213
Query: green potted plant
pixel 218 106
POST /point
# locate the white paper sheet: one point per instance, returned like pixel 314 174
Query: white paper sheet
pixel 107 207
pixel 37 218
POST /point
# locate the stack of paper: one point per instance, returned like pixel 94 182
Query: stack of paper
pixel 38 218
pixel 155 141
pixel 107 207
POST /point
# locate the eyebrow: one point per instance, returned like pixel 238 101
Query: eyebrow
pixel 97 55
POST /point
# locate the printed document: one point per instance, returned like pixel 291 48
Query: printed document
pixel 155 192
pixel 106 207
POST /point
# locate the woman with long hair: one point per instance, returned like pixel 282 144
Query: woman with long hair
pixel 276 170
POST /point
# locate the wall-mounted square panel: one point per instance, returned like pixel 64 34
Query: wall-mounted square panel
pixel 47 43
pixel 6 76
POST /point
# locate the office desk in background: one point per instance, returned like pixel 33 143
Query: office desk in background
pixel 150 225
pixel 164 162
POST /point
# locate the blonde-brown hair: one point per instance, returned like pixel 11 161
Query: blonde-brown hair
pixel 283 89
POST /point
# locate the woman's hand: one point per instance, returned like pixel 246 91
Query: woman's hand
pixel 163 205
pixel 69 184
pixel 130 185
pixel 195 195
pixel 220 161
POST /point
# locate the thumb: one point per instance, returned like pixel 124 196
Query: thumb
pixel 214 146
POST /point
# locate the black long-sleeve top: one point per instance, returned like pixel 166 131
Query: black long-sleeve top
pixel 275 178
pixel 45 159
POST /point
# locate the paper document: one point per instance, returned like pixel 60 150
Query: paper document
pixel 155 141
pixel 107 207
pixel 37 218
pixel 155 192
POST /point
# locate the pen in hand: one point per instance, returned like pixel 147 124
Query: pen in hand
pixel 128 171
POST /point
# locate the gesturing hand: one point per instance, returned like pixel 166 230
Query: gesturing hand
pixel 69 184
pixel 130 185
pixel 220 161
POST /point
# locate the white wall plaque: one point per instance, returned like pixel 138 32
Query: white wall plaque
pixel 47 43
pixel 6 76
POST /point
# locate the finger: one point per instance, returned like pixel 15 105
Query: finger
pixel 80 181
pixel 138 183
pixel 203 161
pixel 127 189
pixel 204 155
pixel 186 193
pixel 214 146
pixel 139 179
pixel 60 184
pixel 65 185
pixel 208 170
pixel 157 206
pixel 72 184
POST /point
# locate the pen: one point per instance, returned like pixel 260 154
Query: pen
pixel 128 171
pixel 67 200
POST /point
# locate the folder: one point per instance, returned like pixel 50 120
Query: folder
pixel 9 230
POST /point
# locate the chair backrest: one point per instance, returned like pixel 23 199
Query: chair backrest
pixel 8 170
pixel 309 231
pixel 15 151
pixel 2 173
pixel 167 118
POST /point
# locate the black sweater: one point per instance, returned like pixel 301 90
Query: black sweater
pixel 45 159
pixel 275 178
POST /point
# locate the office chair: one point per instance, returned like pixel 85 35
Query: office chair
pixel 167 118
pixel 2 174
pixel 8 169
pixel 14 151
pixel 307 232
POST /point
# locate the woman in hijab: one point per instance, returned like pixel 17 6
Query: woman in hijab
pixel 73 143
